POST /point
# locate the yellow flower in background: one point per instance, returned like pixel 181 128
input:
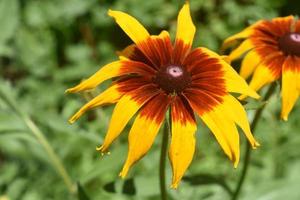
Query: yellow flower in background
pixel 155 75
pixel 272 51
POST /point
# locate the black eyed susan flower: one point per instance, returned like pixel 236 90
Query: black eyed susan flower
pixel 272 51
pixel 155 75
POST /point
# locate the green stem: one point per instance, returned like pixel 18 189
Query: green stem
pixel 162 162
pixel 56 162
pixel 248 151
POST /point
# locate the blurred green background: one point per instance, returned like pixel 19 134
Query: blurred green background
pixel 50 45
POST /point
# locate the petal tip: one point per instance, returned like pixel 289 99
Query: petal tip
pixel 226 58
pixel 122 174
pixel 75 117
pixel 103 150
pixel 110 13
pixel 255 95
pixel 255 145
pixel 284 115
pixel 71 120
pixel 100 148
pixel 235 161
pixel 251 93
pixel 242 97
pixel 125 170
pixel 174 186
pixel 235 164
pixel 70 90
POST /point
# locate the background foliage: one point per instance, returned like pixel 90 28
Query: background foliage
pixel 47 46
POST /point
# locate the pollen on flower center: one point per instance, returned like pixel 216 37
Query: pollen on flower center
pixel 290 44
pixel 172 79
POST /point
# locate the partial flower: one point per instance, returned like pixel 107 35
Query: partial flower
pixel 271 50
pixel 155 75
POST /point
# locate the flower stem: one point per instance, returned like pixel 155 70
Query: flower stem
pixel 248 151
pixel 37 133
pixel 162 162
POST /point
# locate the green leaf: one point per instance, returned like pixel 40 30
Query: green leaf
pixel 9 19
pixel 129 187
pixel 206 179
pixel 276 190
pixel 16 188
pixel 81 193
pixel 36 50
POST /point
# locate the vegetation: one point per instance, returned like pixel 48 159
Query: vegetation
pixel 50 45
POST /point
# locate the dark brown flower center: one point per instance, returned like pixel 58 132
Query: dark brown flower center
pixel 290 44
pixel 172 79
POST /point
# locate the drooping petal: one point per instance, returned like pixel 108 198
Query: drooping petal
pixel 233 109
pixel 241 49
pixel 128 105
pixel 290 85
pixel 222 126
pixel 111 70
pixel 262 76
pixel 111 95
pixel 130 26
pixel 185 27
pixel 234 82
pixel 266 72
pixel 144 130
pixel 230 41
pixel 249 64
pixel 225 132
pixel 108 71
pixel 182 146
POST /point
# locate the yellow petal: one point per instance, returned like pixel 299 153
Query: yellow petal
pixel 226 58
pixel 141 138
pixel 267 71
pixel 230 41
pixel 234 82
pixel 232 108
pixel 249 64
pixel 127 52
pixel 290 90
pixel 262 76
pixel 123 112
pixel 130 26
pixel 185 27
pixel 108 71
pixel 111 95
pixel 225 132
pixel 144 130
pixel 241 49
pixel 182 146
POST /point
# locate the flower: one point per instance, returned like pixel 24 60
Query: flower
pixel 272 51
pixel 155 75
